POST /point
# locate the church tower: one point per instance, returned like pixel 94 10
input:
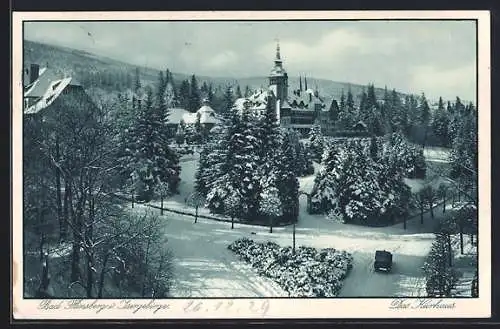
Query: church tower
pixel 278 79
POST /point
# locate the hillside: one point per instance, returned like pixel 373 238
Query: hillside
pixel 74 62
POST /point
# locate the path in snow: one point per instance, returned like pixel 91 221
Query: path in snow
pixel 204 267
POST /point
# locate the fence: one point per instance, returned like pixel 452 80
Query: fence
pixel 186 213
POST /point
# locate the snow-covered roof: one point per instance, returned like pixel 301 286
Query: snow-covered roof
pixel 206 113
pixel 239 104
pixel 53 90
pixel 256 101
pixel 277 71
pixel 42 92
pixel 189 118
pixel 285 105
pixel 176 115
pixel 260 95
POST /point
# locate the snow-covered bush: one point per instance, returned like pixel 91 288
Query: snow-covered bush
pixel 306 273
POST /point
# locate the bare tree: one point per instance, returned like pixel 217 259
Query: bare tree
pixel 430 196
pixel 442 193
pixel 421 202
pixel 195 199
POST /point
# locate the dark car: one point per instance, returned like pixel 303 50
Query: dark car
pixel 383 261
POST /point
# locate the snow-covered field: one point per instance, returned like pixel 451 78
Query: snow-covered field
pixel 204 267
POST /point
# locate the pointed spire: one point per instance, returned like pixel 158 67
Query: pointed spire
pixel 305 82
pixel 300 82
pixel 278 56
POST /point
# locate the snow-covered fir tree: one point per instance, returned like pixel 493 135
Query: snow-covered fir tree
pixel 212 157
pixel 299 153
pixel 250 154
pixel 147 158
pixel 316 142
pixel 441 277
pixel 237 173
pixel 440 123
pixel 356 187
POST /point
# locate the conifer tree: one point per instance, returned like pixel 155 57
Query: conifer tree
pixel 238 92
pixel 440 124
pixel 184 93
pixel 351 114
pixel 227 101
pixel 316 142
pixel 137 81
pixel 194 95
pixel 147 159
pixel 247 92
pixel 424 111
pixel 441 277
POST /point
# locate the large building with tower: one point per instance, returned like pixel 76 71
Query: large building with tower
pixel 298 109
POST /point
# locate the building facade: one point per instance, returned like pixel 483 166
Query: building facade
pixel 298 109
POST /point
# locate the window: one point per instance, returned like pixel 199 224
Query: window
pixel 56 85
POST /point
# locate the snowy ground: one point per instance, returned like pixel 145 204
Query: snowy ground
pixel 204 267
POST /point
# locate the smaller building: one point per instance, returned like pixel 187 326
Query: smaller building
pixel 205 115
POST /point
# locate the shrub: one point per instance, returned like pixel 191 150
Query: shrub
pixel 306 273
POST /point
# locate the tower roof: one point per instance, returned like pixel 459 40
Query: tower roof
pixel 278 69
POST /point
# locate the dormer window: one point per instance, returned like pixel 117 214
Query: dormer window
pixel 56 85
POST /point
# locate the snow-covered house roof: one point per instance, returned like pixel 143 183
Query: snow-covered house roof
pixel 176 115
pixel 256 101
pixel 285 105
pixel 240 104
pixel 207 115
pixel 44 90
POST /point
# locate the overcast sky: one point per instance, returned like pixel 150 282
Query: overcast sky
pixel 435 57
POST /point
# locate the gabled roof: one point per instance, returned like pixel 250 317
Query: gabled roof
pixel 54 89
pixel 45 90
pixel 207 115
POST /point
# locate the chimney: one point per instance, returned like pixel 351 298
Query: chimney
pixel 34 72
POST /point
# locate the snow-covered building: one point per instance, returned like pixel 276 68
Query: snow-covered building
pixel 43 86
pixel 205 114
pixel 299 109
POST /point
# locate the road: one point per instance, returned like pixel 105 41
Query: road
pixel 204 267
